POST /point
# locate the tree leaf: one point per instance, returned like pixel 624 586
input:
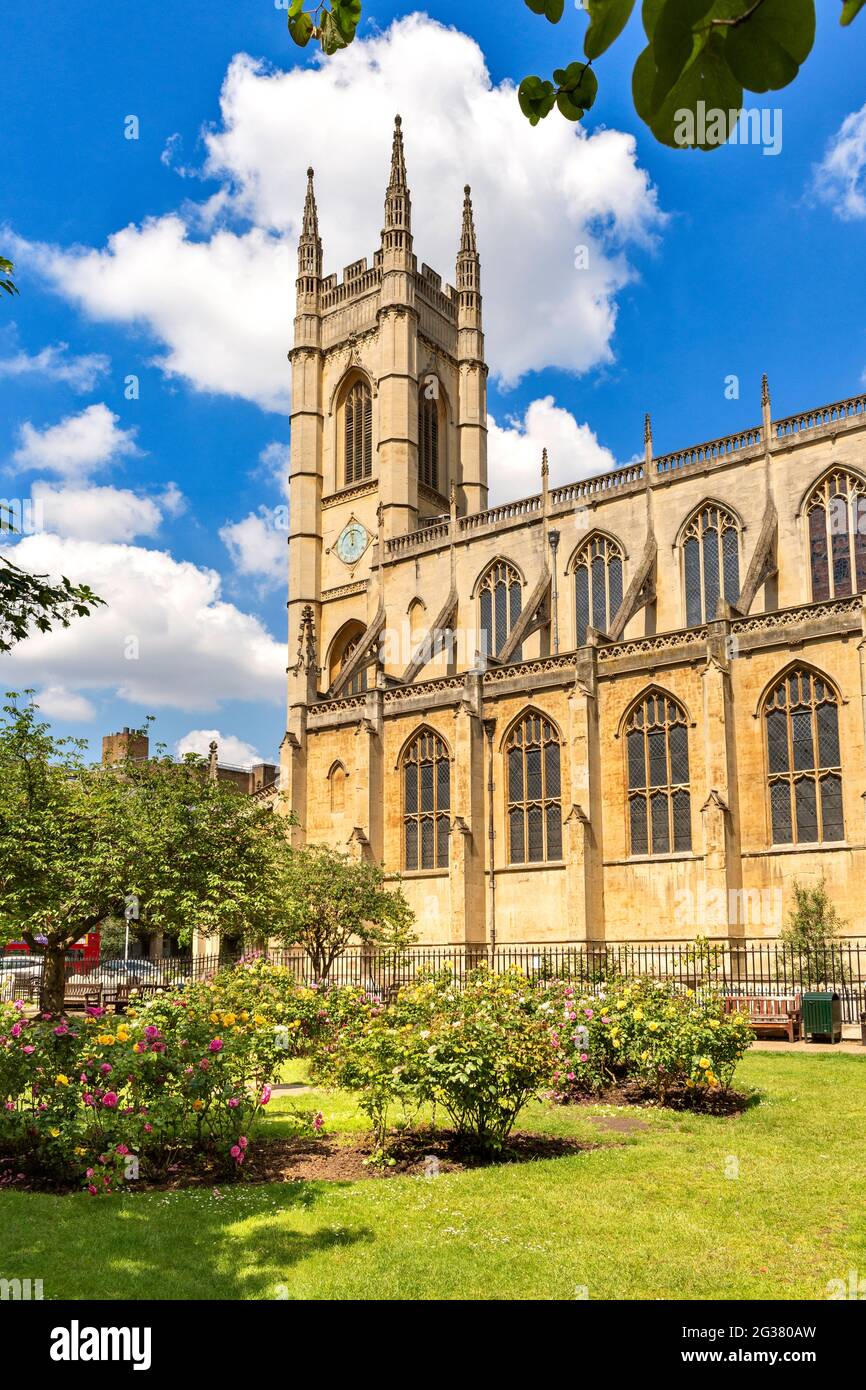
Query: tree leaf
pixel 677 120
pixel 536 98
pixel 851 10
pixel 579 84
pixel 675 42
pixel 765 52
pixel 301 28
pixel 551 9
pixel 607 19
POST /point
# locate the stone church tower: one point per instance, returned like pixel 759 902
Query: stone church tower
pixel 629 708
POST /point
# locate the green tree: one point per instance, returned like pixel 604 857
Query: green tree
pixel 81 843
pixel 697 51
pixel 813 922
pixel 330 901
pixel 812 932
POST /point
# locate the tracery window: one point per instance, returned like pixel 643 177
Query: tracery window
pixel 597 585
pixel 711 562
pixel 659 800
pixel 804 762
pixel 836 515
pixel 500 600
pixel 426 802
pixel 534 791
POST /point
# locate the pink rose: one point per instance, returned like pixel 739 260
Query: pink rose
pixel 215 1045
pixel 27 1049
pixel 265 1095
pixel 583 1057
pixel 109 1100
pixel 148 1128
pixel 105 1068
pixel 233 1103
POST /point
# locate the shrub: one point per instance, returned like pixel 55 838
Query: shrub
pixel 179 1077
pixel 645 1030
pixel 481 1053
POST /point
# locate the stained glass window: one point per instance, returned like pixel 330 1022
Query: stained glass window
pixel 801 717
pixel 534 790
pixel 657 760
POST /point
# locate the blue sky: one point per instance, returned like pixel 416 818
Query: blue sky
pixel 703 267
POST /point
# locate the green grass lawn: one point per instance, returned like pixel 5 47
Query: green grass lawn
pixel 649 1214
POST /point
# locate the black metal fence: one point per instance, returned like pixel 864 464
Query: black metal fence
pixel 742 967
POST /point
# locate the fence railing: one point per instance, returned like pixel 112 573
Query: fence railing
pixel 744 967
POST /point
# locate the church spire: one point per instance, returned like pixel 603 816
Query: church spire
pixel 309 242
pixel 397 234
pixel 468 261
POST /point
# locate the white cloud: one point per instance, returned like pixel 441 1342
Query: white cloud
pixel 229 748
pixel 56 702
pixel 54 364
pixel 222 306
pixel 166 637
pixel 274 463
pixel 95 513
pixel 257 547
pixel 515 448
pixel 840 179
pixel 77 445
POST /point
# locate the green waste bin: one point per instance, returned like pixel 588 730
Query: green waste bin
pixel 822 1017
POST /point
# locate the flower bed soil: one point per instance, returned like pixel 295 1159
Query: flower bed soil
pixel 330 1158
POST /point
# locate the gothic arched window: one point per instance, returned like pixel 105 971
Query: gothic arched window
pixel 836 512
pixel 534 791
pixel 657 752
pixel 345 645
pixel 501 599
pixel 804 763
pixel 337 778
pixel 711 562
pixel 597 585
pixel 358 433
pixel 426 802
pixel 428 440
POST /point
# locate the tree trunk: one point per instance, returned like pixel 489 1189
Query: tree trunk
pixel 53 980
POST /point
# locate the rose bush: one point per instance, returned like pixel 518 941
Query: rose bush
pixel 480 1052
pixel 647 1030
pixel 180 1077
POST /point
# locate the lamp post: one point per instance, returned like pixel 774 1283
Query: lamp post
pixel 553 537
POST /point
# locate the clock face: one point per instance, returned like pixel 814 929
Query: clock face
pixel 352 543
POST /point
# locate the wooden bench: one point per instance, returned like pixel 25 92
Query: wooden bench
pixel 81 994
pixel 769 1011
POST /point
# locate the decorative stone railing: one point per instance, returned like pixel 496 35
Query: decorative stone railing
pixel 507 512
pixel 410 540
pixel 711 452
pixel 602 482
pixel 824 415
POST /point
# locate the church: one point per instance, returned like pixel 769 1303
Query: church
pixel 628 709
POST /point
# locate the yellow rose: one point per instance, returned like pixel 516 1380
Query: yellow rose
pixel 229 1019
pixel 55 1133
pixel 106 1039
pixel 645 1055
pixel 653 1027
pixel 259 1019
pixel 705 1063
pixel 214 1017
pixel 245 1015
pixel 61 1080
pixel 132 1013
pixel 79 1151
pixel 197 1104
pixel 122 1035
pixel 638 1013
